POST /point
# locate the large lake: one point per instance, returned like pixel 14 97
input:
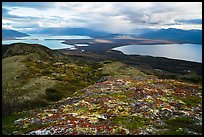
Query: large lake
pixel 52 42
pixel 189 52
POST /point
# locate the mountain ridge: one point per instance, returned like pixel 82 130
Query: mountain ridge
pixel 173 34
pixel 72 31
pixel 9 34
pixel 177 35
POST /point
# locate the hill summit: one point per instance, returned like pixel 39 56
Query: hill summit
pixel 45 92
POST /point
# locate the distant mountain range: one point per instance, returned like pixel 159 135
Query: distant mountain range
pixel 171 34
pixel 72 31
pixel 8 34
pixel 177 35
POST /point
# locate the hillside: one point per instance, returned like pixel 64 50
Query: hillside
pixel 50 92
pixel 24 49
pixel 9 34
pixel 34 69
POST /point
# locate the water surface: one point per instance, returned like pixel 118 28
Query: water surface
pixel 52 42
pixel 189 52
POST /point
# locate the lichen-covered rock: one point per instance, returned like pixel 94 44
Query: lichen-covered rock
pixel 123 106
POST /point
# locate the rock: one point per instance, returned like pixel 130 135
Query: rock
pixel 17 133
pixel 120 130
pixel 166 109
pixel 185 113
pixel 87 131
pixel 49 115
pixel 18 121
pixel 25 126
pixel 93 119
pixel 181 102
pixel 73 114
pixel 119 80
pixel 102 79
pixel 40 132
pixel 35 121
pixel 101 117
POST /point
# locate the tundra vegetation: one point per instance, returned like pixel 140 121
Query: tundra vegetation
pixel 48 92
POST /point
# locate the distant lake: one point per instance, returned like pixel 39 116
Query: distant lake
pixel 52 42
pixel 189 52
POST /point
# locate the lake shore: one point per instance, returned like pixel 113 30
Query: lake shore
pixel 104 44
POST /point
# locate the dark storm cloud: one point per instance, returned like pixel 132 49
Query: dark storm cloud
pixel 108 16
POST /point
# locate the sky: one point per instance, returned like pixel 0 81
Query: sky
pixel 114 17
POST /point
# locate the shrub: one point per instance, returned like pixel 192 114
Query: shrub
pixel 53 94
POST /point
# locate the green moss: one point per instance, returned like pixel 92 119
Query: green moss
pixel 192 77
pixel 8 126
pixel 173 132
pixel 46 72
pixel 34 103
pixel 180 126
pixel 192 100
pixel 65 78
pixel 122 96
pixel 60 78
pixel 130 122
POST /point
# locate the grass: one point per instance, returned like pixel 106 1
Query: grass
pixel 7 122
pixel 118 69
pixel 52 94
pixel 130 122
pixel 122 96
pixel 9 128
pixel 34 81
pixel 192 100
pixel 26 78
pixel 180 126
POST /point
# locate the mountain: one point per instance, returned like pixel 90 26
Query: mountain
pixel 71 31
pixel 8 34
pixel 139 31
pixel 177 35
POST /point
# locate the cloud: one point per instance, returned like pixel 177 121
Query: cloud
pixel 5 12
pixel 37 5
pixel 117 17
pixel 191 21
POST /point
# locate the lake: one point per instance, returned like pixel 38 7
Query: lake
pixel 189 52
pixel 52 42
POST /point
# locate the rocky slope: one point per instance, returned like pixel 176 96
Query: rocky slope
pixel 107 98
pixel 122 105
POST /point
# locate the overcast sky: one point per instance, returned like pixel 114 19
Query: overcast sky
pixel 116 17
